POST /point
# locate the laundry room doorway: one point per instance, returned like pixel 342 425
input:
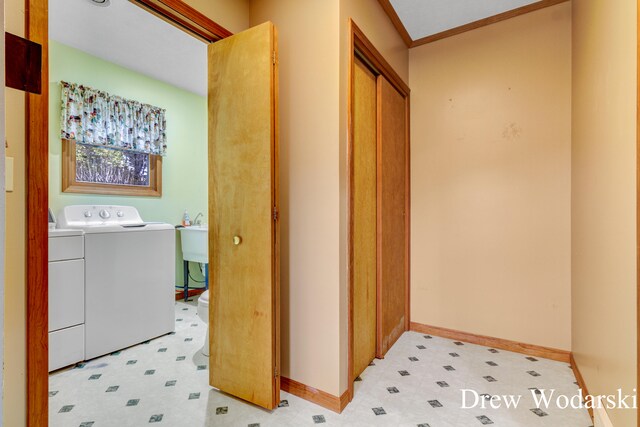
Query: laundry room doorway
pixel 243 207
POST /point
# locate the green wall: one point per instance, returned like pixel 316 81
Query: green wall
pixel 184 169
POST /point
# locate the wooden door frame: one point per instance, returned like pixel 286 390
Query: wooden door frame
pixel 358 42
pixel 37 199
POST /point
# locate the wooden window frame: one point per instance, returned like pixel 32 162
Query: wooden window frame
pixel 70 185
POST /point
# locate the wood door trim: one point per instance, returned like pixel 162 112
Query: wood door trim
pixel 637 200
pixel 275 170
pixel 313 395
pixel 350 210
pixel 498 343
pixel 185 17
pixel 360 45
pixel 37 194
pixel 363 45
pixel 37 202
pixel 407 199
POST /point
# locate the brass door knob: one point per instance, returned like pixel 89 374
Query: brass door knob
pixel 237 240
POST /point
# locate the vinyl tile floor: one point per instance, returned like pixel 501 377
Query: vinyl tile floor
pixel 420 383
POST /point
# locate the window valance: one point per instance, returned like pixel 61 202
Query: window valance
pixel 94 117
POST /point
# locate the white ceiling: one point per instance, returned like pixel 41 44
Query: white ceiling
pixel 424 18
pixel 127 35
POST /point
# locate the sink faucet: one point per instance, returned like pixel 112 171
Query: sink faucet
pixel 197 221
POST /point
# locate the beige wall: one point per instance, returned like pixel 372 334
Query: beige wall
pixel 604 197
pixel 309 183
pixel 231 14
pixel 490 176
pixel 15 297
pixel 313 65
pixel 372 20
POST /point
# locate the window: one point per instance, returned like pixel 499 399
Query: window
pixel 100 170
pixel 111 166
pixel 110 145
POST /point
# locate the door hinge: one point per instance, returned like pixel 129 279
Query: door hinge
pixel 275 372
pixel 274 57
pixel 275 213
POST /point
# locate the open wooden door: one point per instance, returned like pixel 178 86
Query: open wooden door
pixel 243 204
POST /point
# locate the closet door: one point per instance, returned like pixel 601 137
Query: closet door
pixel 243 243
pixel 364 217
pixel 392 255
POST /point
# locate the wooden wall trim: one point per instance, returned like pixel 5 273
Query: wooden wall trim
pixel 498 343
pixel 362 44
pixel 37 195
pixel 396 21
pixel 190 293
pixel 404 34
pixel 185 17
pixel 351 213
pixel 580 380
pixel 486 21
pixel 638 199
pixel 313 395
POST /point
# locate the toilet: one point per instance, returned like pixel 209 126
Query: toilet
pixel 203 313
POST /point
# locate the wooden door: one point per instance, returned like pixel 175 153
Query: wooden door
pixel 364 217
pixel 392 255
pixel 243 243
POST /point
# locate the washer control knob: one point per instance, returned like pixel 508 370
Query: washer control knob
pixel 87 214
pixel 104 214
pixel 120 214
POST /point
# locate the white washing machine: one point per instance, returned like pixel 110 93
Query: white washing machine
pixel 129 276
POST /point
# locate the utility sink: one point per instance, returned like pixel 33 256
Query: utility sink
pixel 195 243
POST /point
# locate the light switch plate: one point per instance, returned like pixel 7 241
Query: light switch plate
pixel 8 177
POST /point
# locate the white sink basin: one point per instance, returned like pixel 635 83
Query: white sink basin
pixel 195 243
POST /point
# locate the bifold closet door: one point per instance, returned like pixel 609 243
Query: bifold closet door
pixel 243 233
pixel 364 217
pixel 391 199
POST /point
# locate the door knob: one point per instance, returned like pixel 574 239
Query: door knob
pixel 237 240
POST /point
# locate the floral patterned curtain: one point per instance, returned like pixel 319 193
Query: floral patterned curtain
pixel 94 117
